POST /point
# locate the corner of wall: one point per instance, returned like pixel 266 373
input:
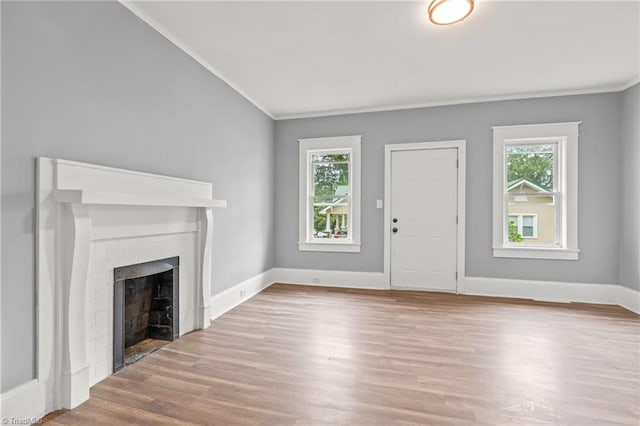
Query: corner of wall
pixel 629 229
pixel 228 299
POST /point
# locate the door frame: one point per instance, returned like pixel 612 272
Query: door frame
pixel 460 145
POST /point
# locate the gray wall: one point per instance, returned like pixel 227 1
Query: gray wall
pixel 599 194
pixel 630 214
pixel 89 81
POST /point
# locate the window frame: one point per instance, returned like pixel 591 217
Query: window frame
pixel 565 190
pixel 339 144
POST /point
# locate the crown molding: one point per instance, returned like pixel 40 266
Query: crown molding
pixel 461 101
pixel 131 6
pixel 184 47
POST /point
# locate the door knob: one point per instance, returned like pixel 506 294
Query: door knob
pixel 395 230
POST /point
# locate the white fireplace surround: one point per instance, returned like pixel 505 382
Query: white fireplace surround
pixel 91 219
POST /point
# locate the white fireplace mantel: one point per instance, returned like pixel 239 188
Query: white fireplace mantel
pixel 79 204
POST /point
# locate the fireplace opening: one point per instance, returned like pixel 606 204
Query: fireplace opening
pixel 145 309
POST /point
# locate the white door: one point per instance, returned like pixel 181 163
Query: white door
pixel 424 192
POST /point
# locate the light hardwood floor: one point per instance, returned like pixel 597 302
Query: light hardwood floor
pixel 297 355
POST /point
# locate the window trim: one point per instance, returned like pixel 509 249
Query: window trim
pixel 305 178
pixel 566 135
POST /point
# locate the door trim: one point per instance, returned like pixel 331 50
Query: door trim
pixel 460 145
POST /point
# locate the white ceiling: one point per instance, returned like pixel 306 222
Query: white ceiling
pixel 295 59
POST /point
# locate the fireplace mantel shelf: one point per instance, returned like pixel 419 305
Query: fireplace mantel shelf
pixel 82 196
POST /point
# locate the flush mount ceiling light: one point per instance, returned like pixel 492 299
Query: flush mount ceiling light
pixel 447 12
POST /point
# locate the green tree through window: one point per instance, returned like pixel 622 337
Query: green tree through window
pixel 514 236
pixel 531 162
pixel 329 172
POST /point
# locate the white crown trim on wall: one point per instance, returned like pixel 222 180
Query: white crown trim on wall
pixel 181 44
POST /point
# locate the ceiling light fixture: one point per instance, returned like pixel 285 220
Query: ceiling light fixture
pixel 447 12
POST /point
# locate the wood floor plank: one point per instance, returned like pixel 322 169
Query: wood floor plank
pixel 295 355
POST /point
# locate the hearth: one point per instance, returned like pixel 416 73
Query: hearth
pixel 145 308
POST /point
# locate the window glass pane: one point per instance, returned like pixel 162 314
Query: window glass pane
pixel 527 226
pixel 530 168
pixel 331 177
pixel 319 158
pixel 331 218
pixel 331 197
pixel 529 192
pixel 544 207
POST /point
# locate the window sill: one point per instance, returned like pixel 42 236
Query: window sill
pixel 536 253
pixel 345 247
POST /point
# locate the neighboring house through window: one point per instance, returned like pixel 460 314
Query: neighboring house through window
pixel 535 191
pixel 329 205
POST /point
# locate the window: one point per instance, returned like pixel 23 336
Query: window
pixel 523 226
pixel 329 210
pixel 527 226
pixel 535 194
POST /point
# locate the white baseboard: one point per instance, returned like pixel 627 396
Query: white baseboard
pixel 25 404
pixel 239 293
pixel 28 401
pixel 629 299
pixel 324 278
pixel 548 291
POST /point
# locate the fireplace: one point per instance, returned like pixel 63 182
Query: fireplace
pixel 91 220
pixel 145 309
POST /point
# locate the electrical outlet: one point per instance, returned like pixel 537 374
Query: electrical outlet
pixel 315 280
